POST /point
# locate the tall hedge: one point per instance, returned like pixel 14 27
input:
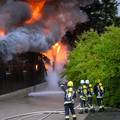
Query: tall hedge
pixel 98 57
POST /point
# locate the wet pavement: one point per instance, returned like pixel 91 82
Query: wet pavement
pixel 34 108
pixel 45 107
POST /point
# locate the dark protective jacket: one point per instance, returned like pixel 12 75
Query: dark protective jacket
pixel 83 92
pixel 69 94
pixel 90 90
pixel 98 91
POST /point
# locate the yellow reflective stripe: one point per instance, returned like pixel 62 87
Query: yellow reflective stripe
pixel 67 116
pixel 66 102
pixel 99 97
pixel 101 88
pixel 81 108
pixel 69 94
pixel 89 95
pixel 91 90
pixel 70 90
pixel 73 116
pixel 83 97
pixel 100 107
pixel 85 91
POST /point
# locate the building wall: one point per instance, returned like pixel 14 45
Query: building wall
pixel 21 73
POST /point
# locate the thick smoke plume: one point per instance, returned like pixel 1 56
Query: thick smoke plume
pixel 13 13
pixel 57 18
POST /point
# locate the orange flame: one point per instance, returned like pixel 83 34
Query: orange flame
pixel 57 54
pixel 2 32
pixel 37 8
pixel 36 67
pixel 57 47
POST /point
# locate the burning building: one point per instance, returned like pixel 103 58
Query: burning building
pixel 31 27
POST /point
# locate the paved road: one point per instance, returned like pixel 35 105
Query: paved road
pixel 38 107
pixel 104 116
pixel 45 106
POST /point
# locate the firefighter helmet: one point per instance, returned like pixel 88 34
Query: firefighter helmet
pixel 70 84
pixel 82 82
pixel 100 84
pixel 90 85
pixel 87 82
pixel 84 87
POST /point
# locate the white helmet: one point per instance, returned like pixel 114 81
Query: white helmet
pixel 87 81
pixel 82 82
pixel 100 1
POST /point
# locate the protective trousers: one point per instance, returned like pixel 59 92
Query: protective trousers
pixel 99 101
pixel 82 103
pixel 69 106
pixel 90 101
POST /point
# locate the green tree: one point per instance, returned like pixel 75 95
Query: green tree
pixel 102 13
pixel 98 57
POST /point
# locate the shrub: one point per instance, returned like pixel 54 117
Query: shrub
pixel 98 57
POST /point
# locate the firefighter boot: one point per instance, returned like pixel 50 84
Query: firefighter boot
pixel 66 117
pixel 74 118
pixel 92 109
pixel 101 109
pixel 86 109
pixel 81 111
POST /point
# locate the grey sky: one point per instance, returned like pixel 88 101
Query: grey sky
pixel 118 8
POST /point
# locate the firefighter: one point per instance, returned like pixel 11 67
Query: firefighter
pixel 70 95
pixel 82 91
pixel 90 96
pixel 99 92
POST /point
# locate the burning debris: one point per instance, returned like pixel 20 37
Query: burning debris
pixel 39 25
pixel 57 56
pixel 31 32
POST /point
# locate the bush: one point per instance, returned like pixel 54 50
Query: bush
pixel 98 57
